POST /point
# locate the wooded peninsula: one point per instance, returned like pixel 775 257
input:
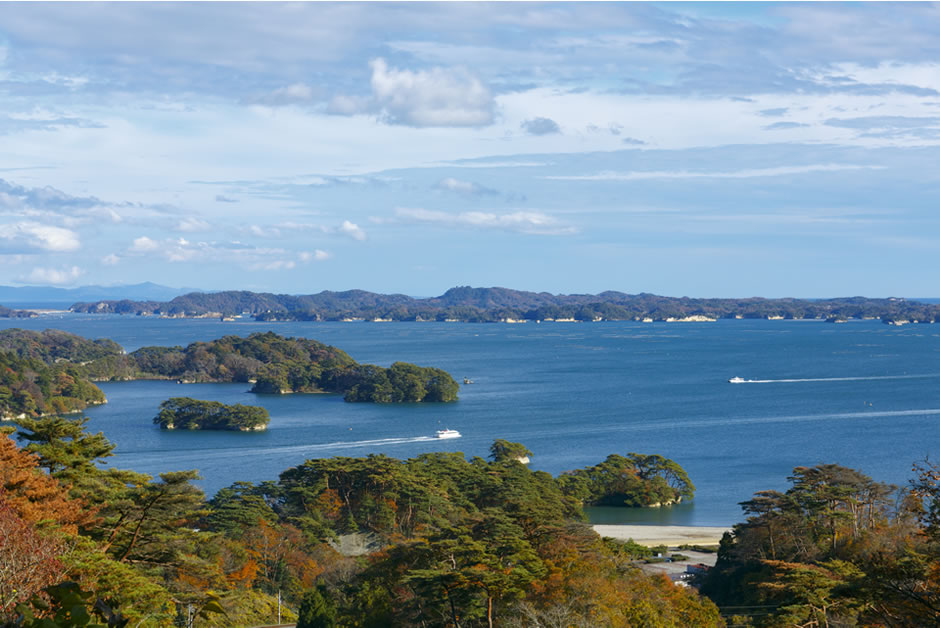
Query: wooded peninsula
pixel 466 304
pixel 53 371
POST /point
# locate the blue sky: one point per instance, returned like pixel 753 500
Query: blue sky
pixel 719 149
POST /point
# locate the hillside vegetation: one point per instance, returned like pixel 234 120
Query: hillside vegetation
pixel 436 540
pixel 30 388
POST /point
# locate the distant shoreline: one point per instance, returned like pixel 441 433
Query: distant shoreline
pixel 671 536
pixel 491 305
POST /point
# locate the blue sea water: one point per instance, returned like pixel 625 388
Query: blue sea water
pixel 860 394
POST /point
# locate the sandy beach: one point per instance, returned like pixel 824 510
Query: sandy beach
pixel 671 536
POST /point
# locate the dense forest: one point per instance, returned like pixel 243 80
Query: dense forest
pixel 30 387
pixel 436 540
pixel 500 304
pixel 836 549
pixel 53 346
pixel 439 540
pixel 185 413
pixel 53 368
pixel 634 480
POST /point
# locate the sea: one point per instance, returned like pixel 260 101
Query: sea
pixel 859 394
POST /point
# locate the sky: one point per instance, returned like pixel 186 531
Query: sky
pixel 683 149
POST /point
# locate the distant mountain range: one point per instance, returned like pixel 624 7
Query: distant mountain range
pixel 36 296
pixel 502 304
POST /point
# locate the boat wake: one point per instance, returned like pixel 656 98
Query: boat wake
pixel 738 380
pixel 337 445
pixel 377 442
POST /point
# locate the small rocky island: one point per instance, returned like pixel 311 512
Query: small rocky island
pixel 185 413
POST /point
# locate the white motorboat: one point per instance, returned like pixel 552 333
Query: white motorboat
pixel 447 434
pixel 736 380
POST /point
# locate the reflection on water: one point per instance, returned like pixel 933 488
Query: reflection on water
pixel 676 515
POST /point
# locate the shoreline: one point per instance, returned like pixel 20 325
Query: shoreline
pixel 671 536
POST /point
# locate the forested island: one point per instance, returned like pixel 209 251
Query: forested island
pixel 440 540
pixel 186 413
pixel 6 312
pixel 468 304
pixel 52 371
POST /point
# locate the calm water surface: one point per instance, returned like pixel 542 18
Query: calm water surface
pixel 862 394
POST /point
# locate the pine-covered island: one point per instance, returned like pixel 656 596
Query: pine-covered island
pixel 186 413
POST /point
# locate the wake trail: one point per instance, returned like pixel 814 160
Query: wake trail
pixel 835 379
pixel 240 451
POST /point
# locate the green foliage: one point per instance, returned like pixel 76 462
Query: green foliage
pixel 65 449
pixel 503 450
pixel 193 414
pixel 53 346
pixel 629 548
pixel 402 382
pixel 30 387
pixel 143 600
pixel 317 609
pixel 634 480
pixel 237 508
pixel 837 548
pixel 463 542
pixel 68 607
pixel 275 365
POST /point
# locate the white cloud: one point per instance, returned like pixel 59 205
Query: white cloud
pixel 52 238
pixel 747 173
pixel 110 259
pixel 348 105
pixel 293 94
pixel 302 226
pixel 72 82
pixel 316 256
pixel 264 232
pixel 26 237
pixel 143 244
pixel 55 276
pixel 352 230
pixel 524 222
pixel 466 188
pixel 273 265
pixel 486 163
pixel 192 225
pixel 296 92
pixel 436 97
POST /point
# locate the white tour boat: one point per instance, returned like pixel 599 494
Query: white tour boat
pixel 736 380
pixel 447 434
